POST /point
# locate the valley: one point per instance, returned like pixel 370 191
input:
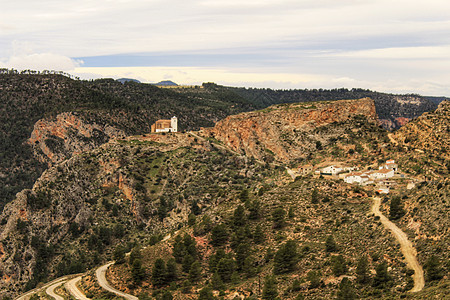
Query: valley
pixel 219 210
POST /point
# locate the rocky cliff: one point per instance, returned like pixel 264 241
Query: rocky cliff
pixel 427 139
pixel 287 131
pixel 57 139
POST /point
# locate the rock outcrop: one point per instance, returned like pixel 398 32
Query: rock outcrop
pixel 54 140
pixel 288 131
pixel 427 139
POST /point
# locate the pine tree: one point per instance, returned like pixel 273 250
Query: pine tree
pixel 346 291
pixel 339 265
pixel 187 262
pixel 119 255
pixel 286 258
pixel 171 270
pixel 167 295
pixel 219 235
pixel 239 217
pixel 396 208
pixel 225 268
pixel 137 271
pixel 278 217
pixel 244 195
pixel 206 294
pixel 433 269
pixel 216 282
pixel 178 249
pixel 135 254
pixel 195 272
pixel 159 273
pixel 315 196
pixel 270 291
pixel 254 209
pixel 258 235
pixel 242 252
pixel 382 277
pixel 362 272
pixel 314 279
pixel 330 244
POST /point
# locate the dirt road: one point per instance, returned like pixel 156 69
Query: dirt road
pixel 101 278
pixel 405 246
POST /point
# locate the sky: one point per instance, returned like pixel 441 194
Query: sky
pixel 385 45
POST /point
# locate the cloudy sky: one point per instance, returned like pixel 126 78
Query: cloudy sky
pixel 385 45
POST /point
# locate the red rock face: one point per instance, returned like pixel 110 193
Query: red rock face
pixel 401 121
pixel 57 139
pixel 280 130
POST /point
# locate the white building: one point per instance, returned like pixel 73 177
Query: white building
pixel 389 165
pixel 382 174
pixel 355 178
pixel 166 125
pixel 331 170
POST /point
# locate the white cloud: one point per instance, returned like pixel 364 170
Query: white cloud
pixel 41 61
pixel 364 43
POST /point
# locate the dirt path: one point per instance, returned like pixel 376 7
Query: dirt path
pixel 101 278
pixel 391 138
pixel 405 246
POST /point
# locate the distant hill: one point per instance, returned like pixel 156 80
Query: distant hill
pixel 436 100
pixel 123 80
pixel 166 83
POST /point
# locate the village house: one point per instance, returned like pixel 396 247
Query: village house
pixel 381 174
pixel 305 170
pixel 389 165
pixel 166 125
pixel 355 177
pixel 383 190
pixel 331 170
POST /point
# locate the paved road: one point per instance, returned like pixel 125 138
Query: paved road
pixel 101 278
pixel 51 290
pixel 28 294
pixel 405 246
pixel 71 287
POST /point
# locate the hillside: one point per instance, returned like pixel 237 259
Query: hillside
pixel 393 110
pixel 104 108
pixel 130 108
pixel 428 139
pixel 128 194
pixel 290 131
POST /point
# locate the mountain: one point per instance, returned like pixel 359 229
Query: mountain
pixel 166 83
pixel 105 106
pixel 231 220
pixel 123 80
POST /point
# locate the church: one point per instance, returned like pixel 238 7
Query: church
pixel 166 125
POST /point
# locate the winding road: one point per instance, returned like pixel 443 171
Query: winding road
pixel 101 278
pixel 409 252
pixel 51 290
pixel 71 287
